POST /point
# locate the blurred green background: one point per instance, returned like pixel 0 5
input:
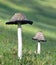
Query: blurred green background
pixel 43 15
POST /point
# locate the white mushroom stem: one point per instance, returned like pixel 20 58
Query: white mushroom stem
pixel 19 42
pixel 38 48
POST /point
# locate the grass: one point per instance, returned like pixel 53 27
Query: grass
pixel 43 15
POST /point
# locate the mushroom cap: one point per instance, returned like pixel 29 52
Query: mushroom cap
pixel 39 37
pixel 19 18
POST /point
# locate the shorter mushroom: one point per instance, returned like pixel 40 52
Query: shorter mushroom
pixel 40 38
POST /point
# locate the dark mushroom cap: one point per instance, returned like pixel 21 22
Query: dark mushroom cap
pixel 39 37
pixel 19 18
pixel 20 21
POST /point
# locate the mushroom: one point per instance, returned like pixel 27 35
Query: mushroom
pixel 19 19
pixel 40 38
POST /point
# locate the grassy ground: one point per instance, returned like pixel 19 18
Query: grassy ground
pixel 43 15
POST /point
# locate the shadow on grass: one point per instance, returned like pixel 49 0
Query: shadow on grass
pixel 37 9
pixel 6 12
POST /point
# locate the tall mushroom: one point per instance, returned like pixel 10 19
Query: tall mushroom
pixel 19 19
pixel 40 38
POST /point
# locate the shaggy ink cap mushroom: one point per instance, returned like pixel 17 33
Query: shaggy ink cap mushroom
pixel 19 18
pixel 39 37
